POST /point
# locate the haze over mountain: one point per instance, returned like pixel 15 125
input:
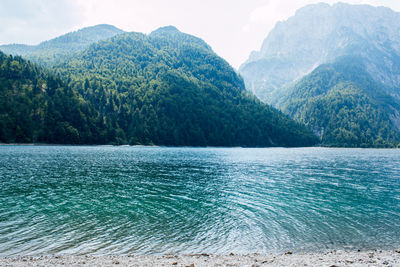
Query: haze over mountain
pixel 351 96
pixel 319 34
pixel 166 88
pixel 57 49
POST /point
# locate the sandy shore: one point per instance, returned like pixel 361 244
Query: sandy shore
pixel 331 259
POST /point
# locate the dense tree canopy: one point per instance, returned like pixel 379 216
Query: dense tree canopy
pixel 170 88
pixel 345 106
pixel 36 106
pixel 166 88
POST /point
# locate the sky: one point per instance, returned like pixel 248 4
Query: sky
pixel 233 28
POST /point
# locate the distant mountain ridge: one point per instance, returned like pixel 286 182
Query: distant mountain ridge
pixel 58 49
pixel 336 69
pixel 319 34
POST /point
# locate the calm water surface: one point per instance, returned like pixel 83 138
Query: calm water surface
pixel 138 200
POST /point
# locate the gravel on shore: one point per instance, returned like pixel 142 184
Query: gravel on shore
pixel 330 259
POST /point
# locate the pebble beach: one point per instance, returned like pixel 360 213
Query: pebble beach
pixel 330 258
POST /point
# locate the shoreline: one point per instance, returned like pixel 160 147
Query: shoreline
pixel 331 258
pixel 163 146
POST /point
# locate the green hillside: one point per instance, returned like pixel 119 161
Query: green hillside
pixel 342 104
pixel 170 88
pixel 36 106
pixel 166 88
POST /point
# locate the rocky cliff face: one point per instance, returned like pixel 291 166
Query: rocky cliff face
pixel 320 34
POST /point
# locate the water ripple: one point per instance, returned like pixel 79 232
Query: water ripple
pixel 120 200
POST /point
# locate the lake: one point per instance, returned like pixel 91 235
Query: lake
pixel 151 200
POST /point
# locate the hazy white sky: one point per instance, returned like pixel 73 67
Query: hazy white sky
pixel 232 27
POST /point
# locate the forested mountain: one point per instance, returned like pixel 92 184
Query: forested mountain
pixel 343 104
pixel 58 49
pixel 319 34
pixel 166 88
pixel 36 106
pixel 351 96
pixel 170 88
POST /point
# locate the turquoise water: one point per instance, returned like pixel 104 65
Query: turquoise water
pixel 138 200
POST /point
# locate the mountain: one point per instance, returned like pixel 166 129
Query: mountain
pixel 337 70
pixel 321 33
pixel 58 49
pixel 165 88
pixel 170 88
pixel 345 106
pixel 36 106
